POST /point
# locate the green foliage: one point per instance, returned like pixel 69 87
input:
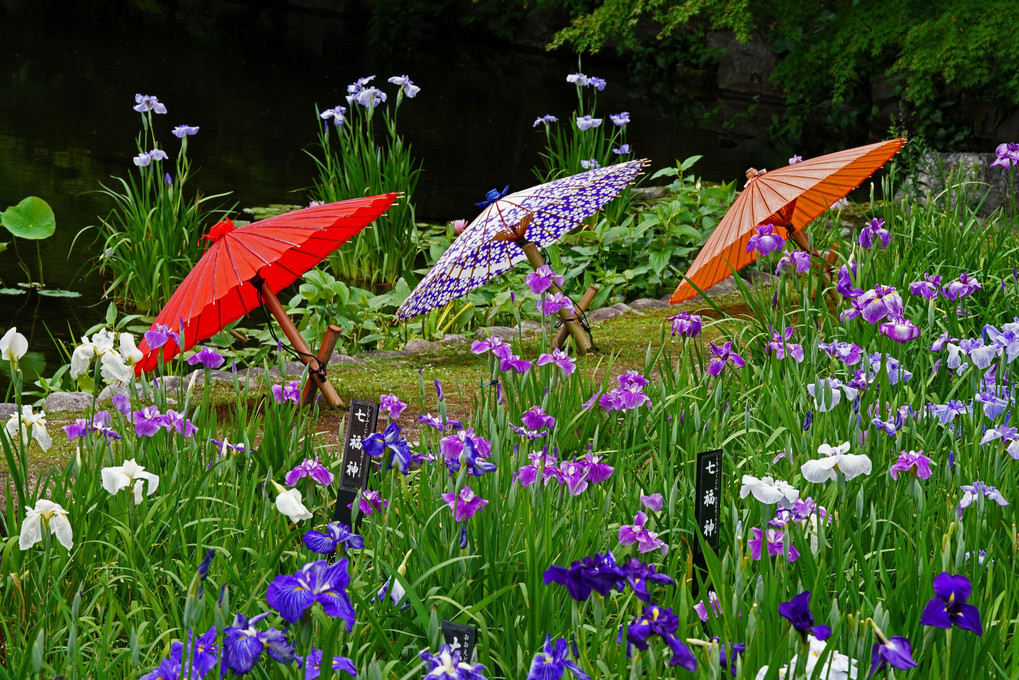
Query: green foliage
pixel 359 160
pixel 150 238
pixel 32 219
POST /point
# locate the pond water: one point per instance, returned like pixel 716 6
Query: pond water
pixel 251 79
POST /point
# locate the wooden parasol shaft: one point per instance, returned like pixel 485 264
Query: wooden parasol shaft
pixel 303 351
pixel 323 354
pixel 580 336
pixel 585 301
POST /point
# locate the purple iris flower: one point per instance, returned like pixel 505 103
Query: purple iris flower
pixel 336 113
pixel 900 329
pixel 472 456
pixel 400 455
pixel 537 419
pixel 948 606
pixel 438 390
pixel 587 122
pixel 844 285
pixel 620 119
pixel 765 241
pixel 928 288
pixel 850 353
pixel 182 131
pixel 208 358
pixel 597 83
pixel 370 502
pixel 946 413
pixel 795 159
pixel 145 102
pixel 797 610
pixel 591 164
pixel 894 652
pixel 553 661
pixel 798 259
pixel 492 196
pixel 493 344
pixel 686 324
pixel 662 622
pixel 993 405
pixel 546 119
pixel 391 405
pixel 638 575
pixel 961 288
pixel 728 653
pixel 880 302
pixel 578 79
pixel 911 460
pixel 776 544
pixel 896 371
pixel 452 446
pixel 971 492
pixel 702 609
pixel 336 536
pixel 243 645
pixel 514 363
pixel 654 502
pixel 1006 155
pixel 542 278
pixel 598 573
pixel 780 345
pixel 316 581
pixel 448 665
pixel 1008 435
pixel 177 422
pixel 621 150
pixel 148 421
pixel 160 335
pixel 875 229
pixel 540 460
pixel 312 665
pixel 561 359
pixel 551 304
pixel 370 97
pixel 723 355
pixel 290 392
pixel 406 85
pixel 100 424
pixel 122 403
pixel 1007 339
pixel 646 540
pixel 310 468
pixel 146 157
pixel 200 657
pixel 465 504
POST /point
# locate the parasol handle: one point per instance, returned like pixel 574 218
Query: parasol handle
pixel 580 336
pixel 304 352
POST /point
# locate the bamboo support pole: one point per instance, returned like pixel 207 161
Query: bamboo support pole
pixel 324 352
pixel 304 352
pixel 580 336
pixel 585 302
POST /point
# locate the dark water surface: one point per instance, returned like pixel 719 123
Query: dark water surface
pixel 251 79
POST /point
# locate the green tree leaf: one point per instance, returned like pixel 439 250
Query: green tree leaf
pixel 32 219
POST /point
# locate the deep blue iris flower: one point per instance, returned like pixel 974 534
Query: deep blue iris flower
pixel 199 656
pixel 552 662
pixel 312 665
pixel 318 582
pixel 797 610
pixel 662 622
pixel 469 456
pixel 335 536
pixel 244 645
pixel 948 606
pixel 895 652
pixel 599 573
pixel 639 575
pixel 492 196
pixel 728 653
pixel 376 445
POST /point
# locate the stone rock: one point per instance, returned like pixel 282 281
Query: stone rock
pixel 603 313
pixel 530 326
pixel 505 332
pixel 345 359
pixel 454 339
pixel 650 303
pixel 648 194
pixel 6 411
pixel 251 374
pixel 420 346
pixel 746 68
pixel 626 309
pixel 987 188
pixel 68 401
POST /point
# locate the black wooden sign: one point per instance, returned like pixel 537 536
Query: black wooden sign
pixel 460 638
pixel 708 506
pixel 361 423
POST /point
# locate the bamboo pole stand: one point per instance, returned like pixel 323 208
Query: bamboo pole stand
pixel 570 322
pixel 585 302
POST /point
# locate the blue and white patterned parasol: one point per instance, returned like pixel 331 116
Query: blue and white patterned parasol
pixel 487 246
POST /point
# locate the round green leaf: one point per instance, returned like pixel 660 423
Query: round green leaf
pixel 11 291
pixel 59 293
pixel 32 219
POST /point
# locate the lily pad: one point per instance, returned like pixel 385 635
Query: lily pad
pixel 32 219
pixel 59 293
pixel 11 291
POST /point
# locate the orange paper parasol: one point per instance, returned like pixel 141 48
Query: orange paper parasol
pixel 792 196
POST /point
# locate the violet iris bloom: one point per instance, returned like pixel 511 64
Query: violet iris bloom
pixel 646 539
pixel 312 665
pixel 160 335
pixel 765 241
pixel 537 419
pixel 336 536
pixel 370 502
pixel 620 119
pixel 145 158
pixel 621 150
pixel 798 259
pixel 971 492
pixel 177 422
pixel 702 609
pixel 145 102
pixel 638 575
pixel 875 229
pixel 377 444
pixel 597 83
pixel 578 79
pixel 587 122
pixel 1006 155
pixel 899 329
pixel 542 278
pixel 540 460
pixel 728 653
pixel 182 131
pixel 961 288
pixel 243 645
pixel 514 363
pixel 928 288
pixel 100 424
pixel 911 460
pixel 553 661
pixel 723 355
pixel 797 611
pixel 880 302
pixel 560 359
pixel 845 286
pixel 1008 435
pixel 447 665
pixel 407 86
pixel 465 504
pixel 662 622
pixel 894 652
pixel 290 392
pixel 795 159
pixel 598 573
pixel 993 405
pixel 336 113
pixel 776 544
pixel 551 304
pixel 946 413
pixel 188 663
pixel 310 468
pixel 492 196
pixel 148 421
pixel 780 345
pixel 850 353
pixel 686 324
pixel 948 606
pixel 391 405
pixel 208 358
pixel 318 582
pixel 654 502
pixel 591 164
pixel 471 456
pixel 495 345
pixel 546 119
